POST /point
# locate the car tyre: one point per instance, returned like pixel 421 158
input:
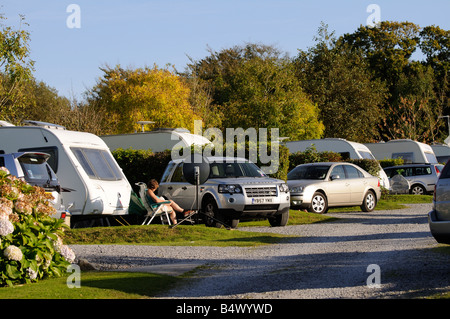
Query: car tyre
pixel 212 214
pixel 319 203
pixel 279 220
pixel 417 190
pixel 369 202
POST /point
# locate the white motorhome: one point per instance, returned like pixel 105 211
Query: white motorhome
pixel 86 169
pixel 442 152
pixel 410 151
pixel 158 140
pixel 347 149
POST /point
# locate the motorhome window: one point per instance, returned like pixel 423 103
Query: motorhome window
pixel 408 157
pixel 2 162
pixel 431 158
pixel 52 151
pixel 97 163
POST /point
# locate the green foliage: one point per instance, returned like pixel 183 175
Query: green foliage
pixel 391 162
pixel 253 86
pixel 311 155
pixel 130 95
pixel 141 165
pixel 339 80
pixel 31 246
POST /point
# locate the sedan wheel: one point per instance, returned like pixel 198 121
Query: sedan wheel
pixel 369 202
pixel 319 204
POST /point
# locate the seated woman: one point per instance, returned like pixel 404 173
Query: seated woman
pixel 171 208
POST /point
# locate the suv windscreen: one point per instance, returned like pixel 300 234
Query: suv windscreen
pixel 229 170
pixel 308 172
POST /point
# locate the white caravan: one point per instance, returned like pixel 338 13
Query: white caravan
pixel 412 152
pixel 94 182
pixel 347 149
pixel 442 152
pixel 157 140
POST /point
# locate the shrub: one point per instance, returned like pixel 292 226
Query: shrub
pixel 31 246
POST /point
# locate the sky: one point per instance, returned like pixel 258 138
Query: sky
pixel 71 40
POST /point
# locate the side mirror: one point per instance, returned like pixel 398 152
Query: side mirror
pixel 333 177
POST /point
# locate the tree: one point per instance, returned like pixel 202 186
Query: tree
pixel 127 96
pixel 15 70
pixel 253 86
pixel 339 81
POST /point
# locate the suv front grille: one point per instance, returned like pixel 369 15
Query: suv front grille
pixel 261 191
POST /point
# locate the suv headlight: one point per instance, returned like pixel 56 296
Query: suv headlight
pixel 230 188
pixel 284 188
pixel 297 189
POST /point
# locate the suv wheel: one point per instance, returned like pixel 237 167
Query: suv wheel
pixel 319 204
pixel 279 220
pixel 417 190
pixel 211 211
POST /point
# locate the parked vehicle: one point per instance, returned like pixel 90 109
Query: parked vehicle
pixel 412 152
pixel 347 149
pixel 158 140
pixel 237 189
pixel 421 177
pixel 34 169
pixel 439 216
pixel 82 162
pixel 319 186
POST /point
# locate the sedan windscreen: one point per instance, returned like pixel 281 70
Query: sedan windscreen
pixel 308 172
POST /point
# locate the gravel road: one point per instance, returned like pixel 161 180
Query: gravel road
pixel 321 261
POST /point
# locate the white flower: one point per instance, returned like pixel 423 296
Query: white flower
pixel 6 227
pixel 31 273
pixel 13 253
pixel 67 253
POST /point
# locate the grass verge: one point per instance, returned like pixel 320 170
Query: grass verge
pixel 94 285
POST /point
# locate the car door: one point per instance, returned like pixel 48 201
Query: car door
pixel 357 183
pixel 338 188
pixel 178 189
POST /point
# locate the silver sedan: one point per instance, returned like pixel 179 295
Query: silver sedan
pixel 318 186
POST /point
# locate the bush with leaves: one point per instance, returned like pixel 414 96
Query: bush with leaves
pixel 31 246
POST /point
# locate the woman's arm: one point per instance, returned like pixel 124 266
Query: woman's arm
pixel 155 198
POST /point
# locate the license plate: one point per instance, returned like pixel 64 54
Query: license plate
pixel 262 200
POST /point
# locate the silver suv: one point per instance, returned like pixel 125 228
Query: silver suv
pixel 421 177
pixel 237 189
pixel 439 217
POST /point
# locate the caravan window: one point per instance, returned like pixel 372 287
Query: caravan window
pixel 98 164
pixel 431 158
pixel 366 155
pixel 408 157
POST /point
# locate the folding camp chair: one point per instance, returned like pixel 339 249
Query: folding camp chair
pixel 153 210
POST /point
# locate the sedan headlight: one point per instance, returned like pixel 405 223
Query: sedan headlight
pixel 297 189
pixel 284 188
pixel 230 188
